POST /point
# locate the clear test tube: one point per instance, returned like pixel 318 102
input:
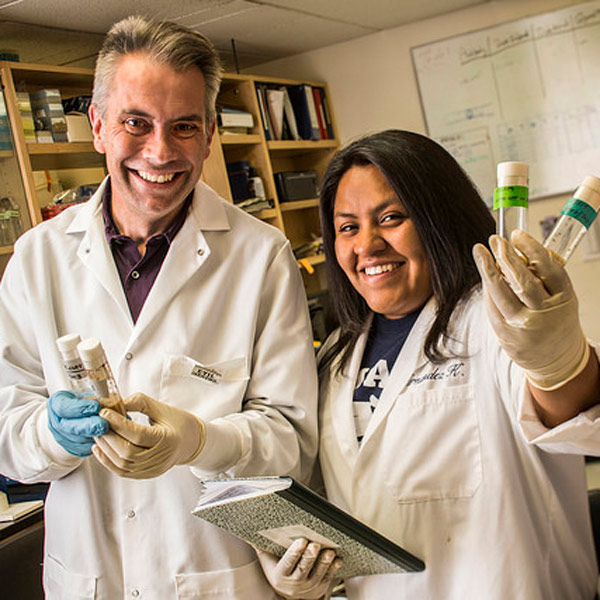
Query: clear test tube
pixel 72 363
pixel 575 219
pixel 511 197
pixel 100 374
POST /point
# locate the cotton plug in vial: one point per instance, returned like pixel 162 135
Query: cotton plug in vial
pixel 511 197
pixel 72 363
pixel 100 374
pixel 575 219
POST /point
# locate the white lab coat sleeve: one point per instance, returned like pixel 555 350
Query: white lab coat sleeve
pixel 28 452
pixel 276 431
pixel 579 435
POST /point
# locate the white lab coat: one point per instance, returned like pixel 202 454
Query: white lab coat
pixel 228 296
pixel 445 470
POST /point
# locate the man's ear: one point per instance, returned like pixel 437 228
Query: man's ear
pixel 96 120
pixel 209 137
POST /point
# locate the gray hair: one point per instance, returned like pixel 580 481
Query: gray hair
pixel 165 42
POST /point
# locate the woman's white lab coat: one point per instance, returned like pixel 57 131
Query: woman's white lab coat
pixel 446 471
pixel 229 298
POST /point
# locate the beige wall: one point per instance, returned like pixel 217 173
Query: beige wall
pixel 373 86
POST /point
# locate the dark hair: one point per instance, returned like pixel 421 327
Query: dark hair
pixel 446 210
pixel 165 42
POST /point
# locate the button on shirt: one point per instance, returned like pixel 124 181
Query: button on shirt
pixel 138 273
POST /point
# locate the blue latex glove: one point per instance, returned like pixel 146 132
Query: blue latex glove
pixel 74 422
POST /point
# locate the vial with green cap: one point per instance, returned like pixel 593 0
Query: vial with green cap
pixel 575 219
pixel 511 197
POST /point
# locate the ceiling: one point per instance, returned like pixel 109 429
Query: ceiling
pixel 259 30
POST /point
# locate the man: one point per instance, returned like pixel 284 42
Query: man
pixel 201 312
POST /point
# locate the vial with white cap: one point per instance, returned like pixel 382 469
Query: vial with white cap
pixel 100 374
pixel 576 217
pixel 72 363
pixel 511 197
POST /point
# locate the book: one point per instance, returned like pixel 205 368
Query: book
pixel 271 512
pixel 233 117
pixel 262 106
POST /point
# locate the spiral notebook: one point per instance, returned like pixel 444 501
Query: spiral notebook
pixel 271 512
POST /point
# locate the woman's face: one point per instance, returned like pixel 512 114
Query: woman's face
pixel 377 245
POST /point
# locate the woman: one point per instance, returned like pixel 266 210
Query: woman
pixel 444 426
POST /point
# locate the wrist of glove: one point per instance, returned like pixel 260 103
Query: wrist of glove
pixel 175 437
pixel 533 309
pixel 74 422
pixel 304 572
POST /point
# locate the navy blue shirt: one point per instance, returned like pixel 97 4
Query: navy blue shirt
pixel 386 338
pixel 138 273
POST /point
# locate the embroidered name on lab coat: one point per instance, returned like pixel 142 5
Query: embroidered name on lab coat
pixel 210 375
pixel 452 371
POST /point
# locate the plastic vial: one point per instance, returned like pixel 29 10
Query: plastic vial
pixel 72 363
pixel 511 197
pixel 100 375
pixel 575 219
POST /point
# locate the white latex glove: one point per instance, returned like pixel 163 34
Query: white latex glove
pixel 533 309
pixel 175 437
pixel 304 572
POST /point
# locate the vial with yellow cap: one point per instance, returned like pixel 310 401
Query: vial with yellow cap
pixel 100 374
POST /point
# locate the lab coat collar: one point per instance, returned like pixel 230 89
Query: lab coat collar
pixel 188 252
pixel 207 210
pixel 410 358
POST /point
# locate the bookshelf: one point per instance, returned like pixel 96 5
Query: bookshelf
pixel 297 219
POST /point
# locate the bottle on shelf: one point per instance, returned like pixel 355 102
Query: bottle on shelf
pixel 511 197
pixel 576 217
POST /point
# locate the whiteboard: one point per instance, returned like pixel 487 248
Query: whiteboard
pixel 528 90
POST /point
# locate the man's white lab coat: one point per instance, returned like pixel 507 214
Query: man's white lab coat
pixel 227 301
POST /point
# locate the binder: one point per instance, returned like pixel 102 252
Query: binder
pixel 305 111
pixel 262 106
pixel 326 114
pixel 290 117
pixel 320 115
pixel 275 108
pixel 270 512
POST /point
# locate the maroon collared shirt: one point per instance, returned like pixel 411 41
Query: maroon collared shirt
pixel 138 273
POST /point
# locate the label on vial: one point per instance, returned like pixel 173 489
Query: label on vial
pixel 579 210
pixel 511 195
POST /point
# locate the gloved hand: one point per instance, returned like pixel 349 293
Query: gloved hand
pixel 304 572
pixel 74 422
pixel 532 308
pixel 175 437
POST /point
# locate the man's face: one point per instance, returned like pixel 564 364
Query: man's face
pixel 155 138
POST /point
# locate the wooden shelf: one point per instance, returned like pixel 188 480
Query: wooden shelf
pixel 239 138
pixel 6 250
pixel 66 155
pixel 300 146
pixel 299 204
pixel 6 154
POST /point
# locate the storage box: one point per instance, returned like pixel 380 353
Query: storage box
pixel 78 128
pixel 296 185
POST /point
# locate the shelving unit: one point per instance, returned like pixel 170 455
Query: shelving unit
pixel 298 220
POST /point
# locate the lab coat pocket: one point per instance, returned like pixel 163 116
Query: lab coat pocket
pixel 437 445
pixel 60 584
pixel 207 390
pixel 245 583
